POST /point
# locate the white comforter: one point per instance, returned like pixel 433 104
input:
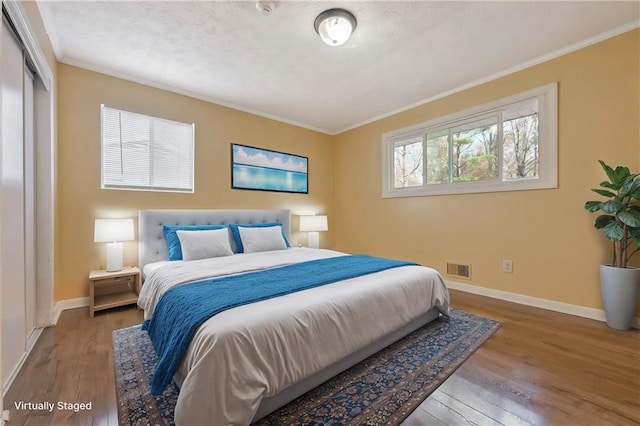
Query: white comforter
pixel 244 354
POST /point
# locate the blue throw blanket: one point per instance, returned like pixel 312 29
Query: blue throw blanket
pixel 184 308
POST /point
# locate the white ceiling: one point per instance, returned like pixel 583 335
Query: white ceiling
pixel 402 53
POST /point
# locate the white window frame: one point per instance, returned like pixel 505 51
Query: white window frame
pixel 149 188
pixel 547 97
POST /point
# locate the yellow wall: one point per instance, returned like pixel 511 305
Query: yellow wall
pixel 547 233
pixel 80 199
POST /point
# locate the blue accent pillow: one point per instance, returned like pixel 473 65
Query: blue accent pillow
pixel 236 234
pixel 173 242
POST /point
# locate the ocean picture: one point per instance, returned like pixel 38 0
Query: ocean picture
pixel 265 170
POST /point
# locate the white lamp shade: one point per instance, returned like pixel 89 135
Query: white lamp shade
pixel 110 230
pixel 313 223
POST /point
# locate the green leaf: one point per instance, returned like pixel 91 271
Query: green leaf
pixel 608 170
pixel 592 206
pixel 605 193
pixel 613 231
pixel 617 176
pixel 631 219
pixel 630 186
pixel 634 188
pixel 611 206
pixel 620 175
pixel 635 236
pixel 609 185
pixel 603 220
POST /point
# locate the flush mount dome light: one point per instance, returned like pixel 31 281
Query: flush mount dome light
pixel 334 26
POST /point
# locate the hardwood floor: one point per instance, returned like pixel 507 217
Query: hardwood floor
pixel 72 362
pixel 540 368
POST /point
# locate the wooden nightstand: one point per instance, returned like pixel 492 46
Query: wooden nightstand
pixel 111 289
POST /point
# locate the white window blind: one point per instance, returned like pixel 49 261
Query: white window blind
pixel 146 153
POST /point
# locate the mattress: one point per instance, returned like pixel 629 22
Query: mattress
pixel 251 352
pixel 150 267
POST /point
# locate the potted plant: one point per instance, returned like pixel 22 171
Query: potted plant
pixel 620 223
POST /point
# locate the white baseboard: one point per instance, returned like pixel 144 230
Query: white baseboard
pixel 551 305
pixel 33 337
pixel 63 305
pixel 31 342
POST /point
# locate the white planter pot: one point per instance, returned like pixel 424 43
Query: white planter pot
pixel 619 287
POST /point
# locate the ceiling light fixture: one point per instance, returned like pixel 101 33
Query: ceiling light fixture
pixel 334 26
pixel 265 7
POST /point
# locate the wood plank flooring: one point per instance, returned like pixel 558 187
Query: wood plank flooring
pixel 72 362
pixel 540 368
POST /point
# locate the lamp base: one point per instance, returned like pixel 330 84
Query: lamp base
pixel 114 257
pixel 313 240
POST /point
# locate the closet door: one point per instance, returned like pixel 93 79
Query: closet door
pixel 12 225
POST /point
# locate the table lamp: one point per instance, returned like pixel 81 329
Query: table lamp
pixel 113 232
pixel 313 225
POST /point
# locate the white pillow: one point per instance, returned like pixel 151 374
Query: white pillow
pixel 204 244
pixel 263 238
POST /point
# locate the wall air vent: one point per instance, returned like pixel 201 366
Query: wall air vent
pixel 459 270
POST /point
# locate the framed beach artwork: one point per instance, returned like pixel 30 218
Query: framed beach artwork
pixel 265 170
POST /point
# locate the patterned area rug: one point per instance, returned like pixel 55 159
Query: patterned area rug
pixel 381 390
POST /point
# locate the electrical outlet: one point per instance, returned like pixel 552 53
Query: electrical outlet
pixel 507 265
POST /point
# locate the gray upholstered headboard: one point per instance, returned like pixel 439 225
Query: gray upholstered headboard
pixel 151 244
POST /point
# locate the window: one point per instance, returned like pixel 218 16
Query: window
pixel 506 145
pixel 146 153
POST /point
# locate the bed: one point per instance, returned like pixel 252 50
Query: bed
pixel 246 362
